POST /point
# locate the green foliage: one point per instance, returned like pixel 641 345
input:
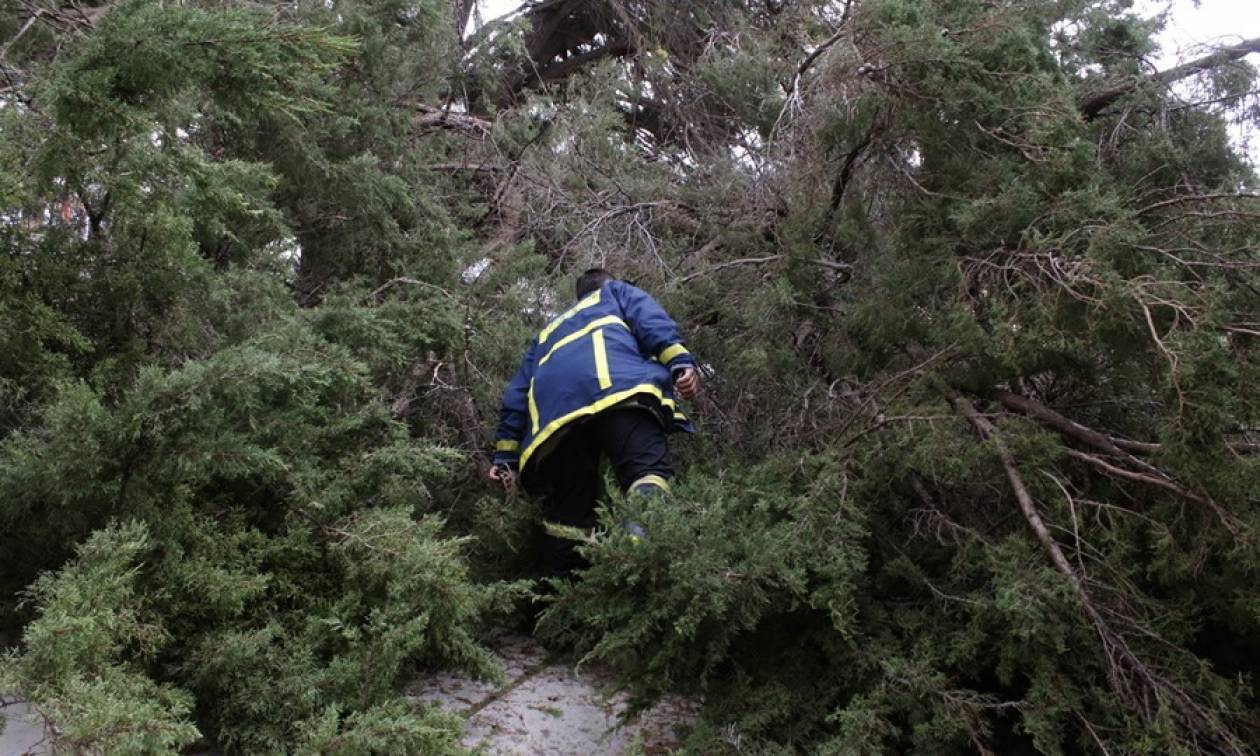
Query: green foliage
pixel 285 574
pixel 720 571
pixel 994 240
pixel 83 663
pixel 264 270
pixel 259 548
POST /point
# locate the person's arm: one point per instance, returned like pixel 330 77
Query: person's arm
pixel 514 414
pixel 657 335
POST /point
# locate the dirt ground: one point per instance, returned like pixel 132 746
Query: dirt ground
pixel 549 707
pixel 21 736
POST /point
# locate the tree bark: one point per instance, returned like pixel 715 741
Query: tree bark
pixel 461 10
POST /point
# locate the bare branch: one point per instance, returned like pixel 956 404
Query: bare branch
pixel 832 264
pixel 793 89
pixel 1226 519
pixel 431 118
pixel 1093 105
pixel 375 295
pixel 1072 428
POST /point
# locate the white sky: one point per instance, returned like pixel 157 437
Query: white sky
pixel 1192 28
pixel 1191 31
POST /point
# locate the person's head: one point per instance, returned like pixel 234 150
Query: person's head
pixel 590 280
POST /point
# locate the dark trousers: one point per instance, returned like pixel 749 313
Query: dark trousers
pixel 568 478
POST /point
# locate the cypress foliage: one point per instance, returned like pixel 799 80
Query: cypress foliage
pixel 978 463
pixel 234 534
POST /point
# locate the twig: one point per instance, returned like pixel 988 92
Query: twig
pixel 832 264
pixel 1159 482
pixel 793 89
pixel 374 296
pixel 1181 199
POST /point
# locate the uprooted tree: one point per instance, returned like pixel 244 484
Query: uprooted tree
pixel 979 287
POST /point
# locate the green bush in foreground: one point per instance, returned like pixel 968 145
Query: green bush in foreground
pixel 266 562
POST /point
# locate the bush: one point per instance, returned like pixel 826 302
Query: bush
pixel 274 561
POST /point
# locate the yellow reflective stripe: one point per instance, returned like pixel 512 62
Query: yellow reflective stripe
pixel 591 326
pixel 651 480
pixel 670 405
pixel 670 352
pixel 590 409
pixel 601 360
pixel 590 301
pixel 533 408
pixel 507 445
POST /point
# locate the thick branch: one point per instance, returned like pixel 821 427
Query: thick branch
pixel 1123 661
pixel 1070 427
pixel 429 117
pixel 557 28
pixel 846 172
pixel 573 63
pixel 1094 104
pixel 1120 447
pixel 461 10
pixel 1026 503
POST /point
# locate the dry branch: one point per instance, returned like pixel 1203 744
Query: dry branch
pixel 1121 448
pixel 1139 686
pixel 1093 105
pixel 1072 428
pixel 1159 481
pixel 401 280
pixel 431 118
pixel 832 264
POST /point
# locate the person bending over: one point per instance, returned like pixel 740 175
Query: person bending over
pixel 598 380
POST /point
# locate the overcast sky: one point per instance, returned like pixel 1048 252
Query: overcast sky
pixel 1191 31
pixel 1214 21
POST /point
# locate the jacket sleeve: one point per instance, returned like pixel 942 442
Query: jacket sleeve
pixel 514 414
pixel 653 328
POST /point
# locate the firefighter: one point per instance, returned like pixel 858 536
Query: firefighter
pixel 598 381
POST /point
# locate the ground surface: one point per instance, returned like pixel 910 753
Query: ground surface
pixel 544 707
pixel 21 736
pixel 549 707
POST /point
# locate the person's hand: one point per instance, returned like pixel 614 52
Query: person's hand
pixel 687 382
pixel 502 475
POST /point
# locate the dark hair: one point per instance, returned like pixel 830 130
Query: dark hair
pixel 590 280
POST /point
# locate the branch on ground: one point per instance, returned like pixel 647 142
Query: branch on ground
pixel 1140 686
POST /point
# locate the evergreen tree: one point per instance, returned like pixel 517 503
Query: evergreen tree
pixel 979 458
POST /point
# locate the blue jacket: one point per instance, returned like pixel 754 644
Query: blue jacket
pixel 614 344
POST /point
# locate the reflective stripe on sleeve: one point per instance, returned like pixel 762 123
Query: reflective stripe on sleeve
pixel 533 408
pixel 507 445
pixel 670 352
